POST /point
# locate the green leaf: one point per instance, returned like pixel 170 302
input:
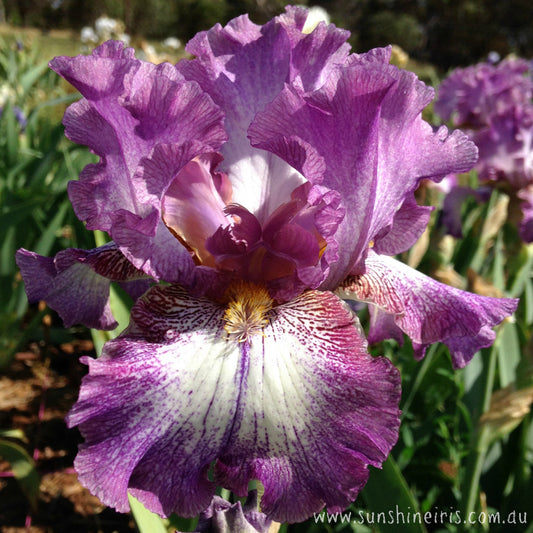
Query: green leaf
pixel 45 243
pixel 528 302
pixel 524 273
pixel 12 135
pixel 387 492
pixel 146 521
pixel 31 76
pixel 508 354
pixel 23 469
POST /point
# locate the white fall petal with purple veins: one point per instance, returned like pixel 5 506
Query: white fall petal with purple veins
pixel 299 405
pixel 244 187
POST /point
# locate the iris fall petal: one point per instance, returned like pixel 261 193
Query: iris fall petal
pixel 301 406
pixel 76 283
pixel 426 310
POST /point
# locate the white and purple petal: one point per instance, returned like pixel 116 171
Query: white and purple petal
pixel 301 406
pixel 426 310
pixel 316 411
pixel 243 67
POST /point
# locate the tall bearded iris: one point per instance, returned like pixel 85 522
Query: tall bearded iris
pixel 495 105
pixel 252 187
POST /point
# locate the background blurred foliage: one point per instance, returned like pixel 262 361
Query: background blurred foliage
pixel 445 33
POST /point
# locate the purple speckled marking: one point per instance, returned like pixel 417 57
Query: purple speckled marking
pixel 426 310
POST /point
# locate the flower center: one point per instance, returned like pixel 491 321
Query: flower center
pixel 248 310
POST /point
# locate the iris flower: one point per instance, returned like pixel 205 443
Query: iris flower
pixel 472 96
pixel 495 104
pixel 248 191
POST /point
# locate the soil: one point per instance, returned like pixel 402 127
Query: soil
pixel 36 392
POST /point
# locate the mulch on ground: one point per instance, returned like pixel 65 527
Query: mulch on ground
pixel 36 392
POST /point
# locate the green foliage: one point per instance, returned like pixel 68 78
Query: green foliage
pixel 36 163
pixel 22 466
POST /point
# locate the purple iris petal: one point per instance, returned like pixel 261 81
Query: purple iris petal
pixel 76 283
pixel 223 517
pixel 506 149
pixel 408 224
pixel 383 326
pixel 130 108
pixel 428 311
pixel 365 123
pixel 243 67
pixel 495 103
pixel 300 406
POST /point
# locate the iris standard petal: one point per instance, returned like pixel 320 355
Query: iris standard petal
pixel 365 124
pixel 76 283
pixel 129 108
pixel 296 402
pixel 243 67
pixel 426 310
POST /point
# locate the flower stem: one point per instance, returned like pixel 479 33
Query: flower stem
pixel 480 440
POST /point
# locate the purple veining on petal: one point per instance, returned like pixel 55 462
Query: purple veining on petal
pixel 301 407
pixel 159 378
pixel 428 311
pixel 76 283
pixel 314 448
